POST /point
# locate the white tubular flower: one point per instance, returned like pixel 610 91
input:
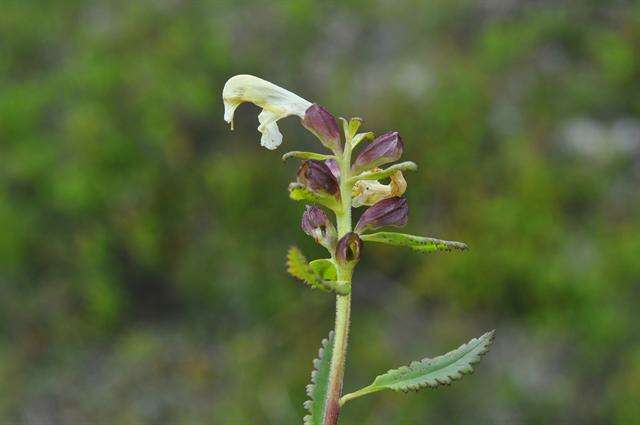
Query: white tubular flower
pixel 369 192
pixel 275 102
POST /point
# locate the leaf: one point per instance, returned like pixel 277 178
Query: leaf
pixel 319 387
pixel 360 137
pixel 306 155
pixel 354 125
pixel 298 267
pixel 325 268
pixel 297 192
pixel 387 172
pixel 431 373
pixel 417 243
pixel 441 370
pixel 319 274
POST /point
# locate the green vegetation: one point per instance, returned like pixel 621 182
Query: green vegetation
pixel 141 251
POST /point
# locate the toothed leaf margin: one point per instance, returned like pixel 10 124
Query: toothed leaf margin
pixel 318 388
pixel 416 243
pixel 298 267
pixel 441 370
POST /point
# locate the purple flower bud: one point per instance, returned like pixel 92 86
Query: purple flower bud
pixel 349 248
pixel 388 212
pixel 316 224
pixel 320 122
pixel 317 176
pixel 384 149
pixel 334 167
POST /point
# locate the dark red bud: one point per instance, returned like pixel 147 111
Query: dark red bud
pixel 388 212
pixel 316 224
pixel 317 176
pixel 349 248
pixel 384 149
pixel 323 124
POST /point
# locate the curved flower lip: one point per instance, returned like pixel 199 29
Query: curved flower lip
pixel 276 103
pixel 349 248
pixel 317 176
pixel 388 212
pixel 369 192
pixel 323 124
pixel 385 148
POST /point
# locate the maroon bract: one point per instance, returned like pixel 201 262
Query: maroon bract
pixel 317 176
pixel 388 212
pixel 323 124
pixel 384 149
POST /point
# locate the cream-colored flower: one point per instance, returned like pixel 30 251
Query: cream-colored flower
pixel 275 102
pixel 369 192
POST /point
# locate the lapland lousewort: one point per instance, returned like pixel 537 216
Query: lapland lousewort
pixel 333 181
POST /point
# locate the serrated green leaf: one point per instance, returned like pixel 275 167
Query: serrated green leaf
pixel 325 268
pixel 441 370
pixel 319 274
pixel 306 155
pixel 297 192
pixel 387 172
pixel 318 389
pixel 298 267
pixel 417 243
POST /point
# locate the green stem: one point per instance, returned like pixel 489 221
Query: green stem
pixel 362 391
pixel 343 302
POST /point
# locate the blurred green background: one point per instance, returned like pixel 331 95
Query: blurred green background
pixel 142 248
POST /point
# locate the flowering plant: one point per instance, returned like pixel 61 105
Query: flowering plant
pixel 336 183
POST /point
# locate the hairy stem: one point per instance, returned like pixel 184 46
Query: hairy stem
pixel 343 302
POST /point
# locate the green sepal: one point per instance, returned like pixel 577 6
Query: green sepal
pixel 430 373
pixel 318 389
pixel 354 125
pixel 387 172
pixel 319 274
pixel 325 268
pixel 298 192
pixel 351 126
pixel 417 243
pixel 361 137
pixel 306 155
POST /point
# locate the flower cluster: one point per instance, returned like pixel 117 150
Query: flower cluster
pixel 320 174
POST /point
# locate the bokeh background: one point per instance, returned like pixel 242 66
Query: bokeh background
pixel 142 246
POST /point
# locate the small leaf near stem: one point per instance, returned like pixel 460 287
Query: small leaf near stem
pixel 306 155
pixel 361 137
